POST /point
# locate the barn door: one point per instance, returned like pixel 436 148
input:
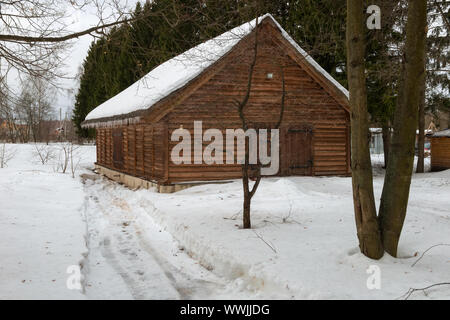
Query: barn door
pixel 118 148
pixel 299 161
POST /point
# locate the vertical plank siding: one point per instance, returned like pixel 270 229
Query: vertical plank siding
pixel 148 152
pixel 139 158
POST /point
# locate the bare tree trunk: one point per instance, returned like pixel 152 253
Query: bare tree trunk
pixel 362 180
pixel 386 131
pixel 246 167
pixel 421 140
pixel 246 222
pixel 394 200
pixel 248 194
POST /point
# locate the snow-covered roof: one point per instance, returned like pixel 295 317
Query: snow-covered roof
pixel 180 70
pixel 426 131
pixel 444 133
pixel 375 130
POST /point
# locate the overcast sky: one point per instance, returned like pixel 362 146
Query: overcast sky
pixel 78 20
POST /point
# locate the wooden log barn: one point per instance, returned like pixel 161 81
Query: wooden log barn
pixel 440 150
pixel 203 84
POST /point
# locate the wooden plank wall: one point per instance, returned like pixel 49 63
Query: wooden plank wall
pixel 142 153
pixel 148 154
pixel 147 146
pixel 331 149
pixel 97 148
pixel 104 147
pixel 440 153
pixel 306 103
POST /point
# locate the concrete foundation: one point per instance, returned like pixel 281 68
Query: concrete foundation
pixel 136 183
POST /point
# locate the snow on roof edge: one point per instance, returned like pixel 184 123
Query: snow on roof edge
pixel 122 103
pixel 443 133
pixel 310 59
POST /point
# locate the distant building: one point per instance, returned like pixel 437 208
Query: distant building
pixel 377 145
pixel 440 150
pixel 376 141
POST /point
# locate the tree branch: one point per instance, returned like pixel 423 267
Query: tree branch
pixel 444 17
pixel 437 245
pixel 412 290
pixel 29 39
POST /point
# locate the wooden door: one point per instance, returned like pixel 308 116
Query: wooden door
pixel 118 148
pixel 298 151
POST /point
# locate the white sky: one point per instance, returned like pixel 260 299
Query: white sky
pixel 78 21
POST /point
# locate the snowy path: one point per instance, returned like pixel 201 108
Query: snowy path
pixel 128 243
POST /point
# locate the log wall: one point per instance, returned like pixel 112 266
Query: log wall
pixel 306 103
pixel 143 150
pixel 440 153
pixel 147 145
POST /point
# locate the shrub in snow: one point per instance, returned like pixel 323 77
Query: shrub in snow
pixel 44 152
pixel 6 154
pixel 68 158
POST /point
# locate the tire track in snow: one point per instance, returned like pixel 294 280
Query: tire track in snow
pixel 126 248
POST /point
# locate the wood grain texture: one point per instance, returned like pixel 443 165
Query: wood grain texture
pixel 440 153
pixel 212 98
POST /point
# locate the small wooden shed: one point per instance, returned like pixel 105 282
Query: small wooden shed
pixel 134 127
pixel 440 150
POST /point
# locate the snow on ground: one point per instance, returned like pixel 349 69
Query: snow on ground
pixel 41 226
pixel 50 221
pixel 303 243
pixel 189 245
pixel 148 263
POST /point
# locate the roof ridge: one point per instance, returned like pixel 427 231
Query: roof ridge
pixel 178 71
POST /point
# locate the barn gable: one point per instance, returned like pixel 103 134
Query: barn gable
pixel 173 81
pixel 308 107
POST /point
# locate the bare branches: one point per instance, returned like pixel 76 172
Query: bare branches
pixel 248 194
pixel 35 33
pixel 75 158
pixel 68 158
pixel 253 171
pixel 242 104
pixel 437 245
pixel 25 116
pixel 44 152
pixel 408 294
pixel 271 246
pixel 29 39
pixel 283 98
pixel 443 16
pixel 6 154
